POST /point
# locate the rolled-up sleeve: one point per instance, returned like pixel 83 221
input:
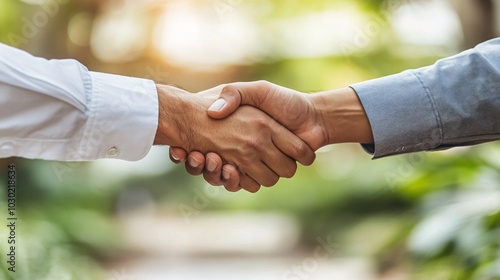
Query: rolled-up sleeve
pixel 455 102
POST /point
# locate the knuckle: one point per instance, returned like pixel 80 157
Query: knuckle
pixel 301 150
pixel 253 189
pixel 246 156
pixel 214 181
pixel 251 146
pixel 247 184
pixel 290 171
pixel 269 182
pixel 232 188
pixel 263 121
pixel 229 91
pixel 228 88
pixel 311 160
pixel 262 83
pixel 193 171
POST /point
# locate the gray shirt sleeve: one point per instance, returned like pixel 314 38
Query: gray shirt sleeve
pixel 455 102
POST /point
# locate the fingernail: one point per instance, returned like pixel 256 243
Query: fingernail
pixel 193 162
pixel 217 105
pixel 211 165
pixel 175 157
pixel 226 174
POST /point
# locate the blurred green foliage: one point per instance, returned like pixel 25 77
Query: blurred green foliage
pixel 433 215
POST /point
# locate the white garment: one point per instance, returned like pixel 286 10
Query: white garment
pixel 58 110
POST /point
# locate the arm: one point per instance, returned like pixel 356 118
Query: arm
pixel 452 103
pixel 455 102
pixel 58 110
pixel 318 119
pixel 248 139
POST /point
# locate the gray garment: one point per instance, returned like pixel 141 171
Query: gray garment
pixel 455 102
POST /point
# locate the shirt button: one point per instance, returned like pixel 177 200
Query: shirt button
pixel 113 152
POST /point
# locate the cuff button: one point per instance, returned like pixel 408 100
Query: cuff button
pixel 113 152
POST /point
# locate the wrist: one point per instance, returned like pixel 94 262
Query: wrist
pixel 342 117
pixel 171 104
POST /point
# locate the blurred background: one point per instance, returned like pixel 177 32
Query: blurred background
pixel 419 216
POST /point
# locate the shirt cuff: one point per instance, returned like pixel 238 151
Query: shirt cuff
pixel 401 113
pixel 122 119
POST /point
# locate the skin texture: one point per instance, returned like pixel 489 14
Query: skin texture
pixel 319 119
pixel 256 149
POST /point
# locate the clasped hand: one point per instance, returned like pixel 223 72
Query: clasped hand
pixel 241 147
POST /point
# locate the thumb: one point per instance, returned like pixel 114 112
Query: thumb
pixel 229 100
pixel 234 95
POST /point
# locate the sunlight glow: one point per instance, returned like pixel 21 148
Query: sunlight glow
pixel 196 35
pixel 319 34
pixel 431 23
pixel 119 34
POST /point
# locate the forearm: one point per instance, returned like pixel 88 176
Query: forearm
pixel 342 116
pixel 454 102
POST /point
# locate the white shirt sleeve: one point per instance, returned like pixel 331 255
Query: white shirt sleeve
pixel 58 110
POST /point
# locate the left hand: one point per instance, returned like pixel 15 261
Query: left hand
pixel 258 154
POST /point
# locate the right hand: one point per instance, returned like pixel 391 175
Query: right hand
pixel 261 149
pixel 290 108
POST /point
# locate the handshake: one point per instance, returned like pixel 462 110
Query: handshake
pixel 245 135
